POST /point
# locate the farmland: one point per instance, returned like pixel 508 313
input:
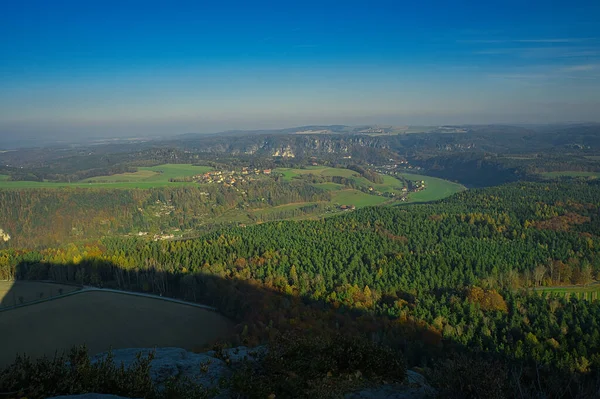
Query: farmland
pixel 435 188
pixel 342 195
pixel 390 183
pixel 290 173
pixel 590 292
pixel 144 177
pixel 356 198
pixel 20 292
pixel 105 320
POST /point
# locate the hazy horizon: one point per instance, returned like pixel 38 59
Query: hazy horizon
pixel 73 71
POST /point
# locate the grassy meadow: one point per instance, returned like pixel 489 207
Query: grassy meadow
pixel 145 177
pixel 339 193
pixel 356 198
pixel 390 183
pixel 589 292
pixel 105 320
pixel 435 188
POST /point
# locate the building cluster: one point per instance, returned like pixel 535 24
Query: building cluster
pixel 231 177
pixel 393 165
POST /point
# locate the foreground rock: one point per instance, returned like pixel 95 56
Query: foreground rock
pixel 205 369
pixel 209 368
pixel 414 387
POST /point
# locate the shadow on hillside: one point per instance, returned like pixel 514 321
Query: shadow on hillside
pixel 259 313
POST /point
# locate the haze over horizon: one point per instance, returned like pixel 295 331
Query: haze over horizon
pixel 73 69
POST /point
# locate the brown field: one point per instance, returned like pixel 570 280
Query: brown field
pixel 17 292
pixel 104 320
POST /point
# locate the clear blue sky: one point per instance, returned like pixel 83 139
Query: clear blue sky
pixel 110 68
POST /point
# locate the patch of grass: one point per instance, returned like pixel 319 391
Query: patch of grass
pixel 105 320
pixel 435 189
pixel 356 198
pixel 140 175
pixel 589 292
pixel 286 207
pixel 330 186
pixel 4 177
pixel 390 183
pixel 145 177
pixel 172 171
pixel 290 173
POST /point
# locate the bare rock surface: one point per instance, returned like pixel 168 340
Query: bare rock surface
pixel 208 368
pixel 205 369
pixel 414 387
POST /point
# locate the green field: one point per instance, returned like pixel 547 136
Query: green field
pixel 390 183
pixel 140 175
pixel 105 320
pixel 356 198
pixel 275 209
pixel 4 177
pixel 145 177
pixel 590 292
pixel 21 292
pixel 435 188
pixel 339 193
pixel 289 173
pixel 591 175
pixel 330 186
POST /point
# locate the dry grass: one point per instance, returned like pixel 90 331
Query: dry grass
pixel 104 320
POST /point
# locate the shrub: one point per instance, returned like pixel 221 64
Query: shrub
pixel 299 366
pixel 470 376
pixel 74 374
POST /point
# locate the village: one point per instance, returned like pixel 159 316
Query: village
pixel 231 177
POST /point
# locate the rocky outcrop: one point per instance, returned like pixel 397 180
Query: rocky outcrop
pixel 414 387
pixel 208 368
pixel 204 369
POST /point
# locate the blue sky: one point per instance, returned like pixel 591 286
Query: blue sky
pixel 113 68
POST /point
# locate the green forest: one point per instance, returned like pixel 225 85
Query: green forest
pixel 457 275
pixel 489 292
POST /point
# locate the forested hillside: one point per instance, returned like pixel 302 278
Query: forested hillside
pixel 40 217
pixel 456 272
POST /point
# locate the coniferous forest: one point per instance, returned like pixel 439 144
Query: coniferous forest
pixel 462 275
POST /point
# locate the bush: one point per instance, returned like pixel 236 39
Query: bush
pixel 467 376
pixel 76 374
pixel 320 367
